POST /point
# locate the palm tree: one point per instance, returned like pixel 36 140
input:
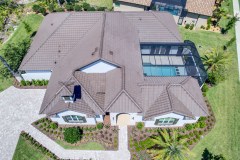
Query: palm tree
pixel 215 60
pixel 169 147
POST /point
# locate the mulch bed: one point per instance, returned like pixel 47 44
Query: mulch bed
pixel 107 136
pixel 193 136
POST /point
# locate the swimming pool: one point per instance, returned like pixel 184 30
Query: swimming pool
pixel 159 71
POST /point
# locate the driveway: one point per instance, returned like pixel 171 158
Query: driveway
pixel 18 109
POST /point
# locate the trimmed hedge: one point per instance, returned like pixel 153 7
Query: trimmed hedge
pixel 34 83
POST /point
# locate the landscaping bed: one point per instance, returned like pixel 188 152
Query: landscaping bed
pixel 105 137
pixel 34 84
pixel 140 137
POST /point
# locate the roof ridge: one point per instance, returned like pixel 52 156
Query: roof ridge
pixel 129 96
pixel 186 80
pixel 48 38
pixel 153 12
pixel 181 104
pixel 191 96
pixel 102 34
pixel 42 109
pixel 88 94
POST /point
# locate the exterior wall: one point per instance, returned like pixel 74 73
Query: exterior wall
pixel 90 121
pixel 202 21
pixel 180 122
pixel 128 7
pixel 135 117
pixel 196 19
pixel 98 67
pixel 37 75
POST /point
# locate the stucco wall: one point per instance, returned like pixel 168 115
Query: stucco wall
pixel 128 7
pixel 180 122
pixel 196 19
pixel 90 121
pixel 98 67
pixel 37 75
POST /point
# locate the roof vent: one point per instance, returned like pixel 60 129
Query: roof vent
pixel 51 24
pixel 111 52
pixel 139 18
pixel 55 62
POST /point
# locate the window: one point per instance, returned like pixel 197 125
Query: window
pixel 166 121
pixel 67 99
pixel 97 116
pixel 187 118
pixel 74 119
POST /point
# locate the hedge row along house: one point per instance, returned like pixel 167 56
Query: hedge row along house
pixel 184 11
pixel 124 67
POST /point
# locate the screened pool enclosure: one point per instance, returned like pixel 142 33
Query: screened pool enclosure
pixel 173 59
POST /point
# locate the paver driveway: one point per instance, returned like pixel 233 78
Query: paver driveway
pixel 18 109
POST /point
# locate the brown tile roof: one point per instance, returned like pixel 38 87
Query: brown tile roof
pixel 61 32
pixel 140 2
pixel 204 7
pixel 113 37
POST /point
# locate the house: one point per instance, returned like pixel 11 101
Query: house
pixel 194 12
pixel 131 5
pixel 184 11
pixel 124 66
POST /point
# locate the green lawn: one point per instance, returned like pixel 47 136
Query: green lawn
pixel 20 34
pixel 87 146
pixel 26 151
pixel 101 3
pixel 224 99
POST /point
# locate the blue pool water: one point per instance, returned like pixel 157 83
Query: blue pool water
pixel 159 71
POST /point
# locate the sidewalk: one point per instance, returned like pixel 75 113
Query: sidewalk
pixel 237 31
pixel 121 154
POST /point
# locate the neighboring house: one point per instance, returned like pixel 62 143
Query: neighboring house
pixel 124 66
pixel 131 5
pixel 184 11
pixel 187 11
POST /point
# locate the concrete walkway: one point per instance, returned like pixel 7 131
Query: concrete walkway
pixel 19 108
pixel 121 154
pixel 237 31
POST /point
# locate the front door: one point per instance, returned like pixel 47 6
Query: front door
pixel 123 119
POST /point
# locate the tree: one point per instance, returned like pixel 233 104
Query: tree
pixel 14 54
pixel 169 146
pixel 215 60
pixel 207 155
pixel 73 134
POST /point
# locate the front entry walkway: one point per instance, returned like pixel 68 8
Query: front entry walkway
pixel 20 107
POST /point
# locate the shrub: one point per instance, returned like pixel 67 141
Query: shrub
pixel 23 83
pixel 27 27
pixel 191 26
pixel 77 8
pixel 202 124
pixel 36 8
pixel 140 125
pixel 69 7
pixel 187 26
pixel 202 27
pixel 72 134
pixel 91 9
pixel 59 10
pixel 189 127
pixel 54 125
pixel 205 88
pixel 202 119
pixel 51 7
pixel 101 8
pixel 99 126
pixel 28 83
pixel 208 27
pixel 86 6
